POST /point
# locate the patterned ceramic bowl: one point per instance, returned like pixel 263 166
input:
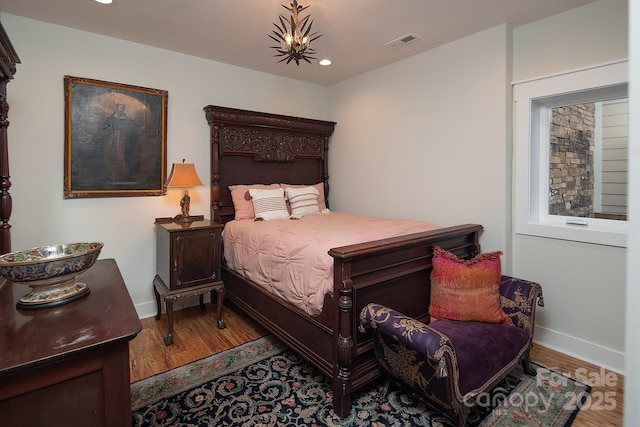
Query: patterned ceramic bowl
pixel 50 270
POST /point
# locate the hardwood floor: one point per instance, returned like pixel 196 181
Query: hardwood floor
pixel 604 405
pixel 196 336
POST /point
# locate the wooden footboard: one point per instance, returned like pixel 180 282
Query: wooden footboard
pixel 394 272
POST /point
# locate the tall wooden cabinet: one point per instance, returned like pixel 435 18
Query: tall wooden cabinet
pixel 8 60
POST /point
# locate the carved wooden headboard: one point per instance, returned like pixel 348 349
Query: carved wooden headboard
pixel 249 147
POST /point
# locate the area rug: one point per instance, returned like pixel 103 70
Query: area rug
pixel 264 383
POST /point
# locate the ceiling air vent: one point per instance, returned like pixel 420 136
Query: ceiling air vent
pixel 402 41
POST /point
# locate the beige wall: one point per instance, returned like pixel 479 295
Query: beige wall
pixel 584 284
pixel 426 138
pixel 589 35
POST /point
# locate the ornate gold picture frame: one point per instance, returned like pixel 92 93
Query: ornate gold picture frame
pixel 115 139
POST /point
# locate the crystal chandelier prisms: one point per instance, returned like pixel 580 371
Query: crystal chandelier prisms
pixel 294 35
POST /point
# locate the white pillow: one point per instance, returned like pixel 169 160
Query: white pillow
pixel 269 204
pixel 303 201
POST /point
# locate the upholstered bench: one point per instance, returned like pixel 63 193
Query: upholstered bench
pixel 450 362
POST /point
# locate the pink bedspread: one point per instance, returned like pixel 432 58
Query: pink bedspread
pixel 289 257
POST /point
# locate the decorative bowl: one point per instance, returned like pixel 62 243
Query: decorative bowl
pixel 50 271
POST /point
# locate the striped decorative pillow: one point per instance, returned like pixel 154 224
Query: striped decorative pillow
pixel 242 205
pixel 322 204
pixel 269 204
pixel 303 201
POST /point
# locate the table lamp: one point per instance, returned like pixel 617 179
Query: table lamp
pixel 183 175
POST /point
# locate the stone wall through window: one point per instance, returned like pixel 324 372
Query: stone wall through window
pixel 571 151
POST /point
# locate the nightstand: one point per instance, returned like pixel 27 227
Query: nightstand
pixel 189 262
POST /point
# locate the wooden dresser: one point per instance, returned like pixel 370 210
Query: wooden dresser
pixel 68 365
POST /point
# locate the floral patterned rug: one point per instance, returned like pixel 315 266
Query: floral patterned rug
pixel 263 383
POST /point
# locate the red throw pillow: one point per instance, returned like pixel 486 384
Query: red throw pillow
pixel 466 289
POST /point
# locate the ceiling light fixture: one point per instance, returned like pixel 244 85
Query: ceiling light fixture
pixel 104 1
pixel 294 36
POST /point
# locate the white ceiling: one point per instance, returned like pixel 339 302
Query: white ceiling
pixel 235 31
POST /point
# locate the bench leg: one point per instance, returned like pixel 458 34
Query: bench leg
pixel 381 395
pixel 460 414
pixel 526 365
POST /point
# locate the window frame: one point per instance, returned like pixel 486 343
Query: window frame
pixel 532 98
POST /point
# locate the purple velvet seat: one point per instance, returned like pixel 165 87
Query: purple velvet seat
pixel 485 351
pixel 451 362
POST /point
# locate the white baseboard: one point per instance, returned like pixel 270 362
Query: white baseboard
pixel 580 349
pixel 146 309
pixel 149 308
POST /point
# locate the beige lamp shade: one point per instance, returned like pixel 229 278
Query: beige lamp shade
pixel 183 175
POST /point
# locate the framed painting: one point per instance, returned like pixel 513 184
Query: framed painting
pixel 115 139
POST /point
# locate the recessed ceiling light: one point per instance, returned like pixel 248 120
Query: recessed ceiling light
pixel 104 1
pixel 325 62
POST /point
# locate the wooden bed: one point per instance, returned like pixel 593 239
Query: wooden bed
pixel 260 148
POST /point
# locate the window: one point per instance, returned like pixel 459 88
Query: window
pixel 570 155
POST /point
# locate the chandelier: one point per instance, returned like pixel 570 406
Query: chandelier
pixel 294 36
